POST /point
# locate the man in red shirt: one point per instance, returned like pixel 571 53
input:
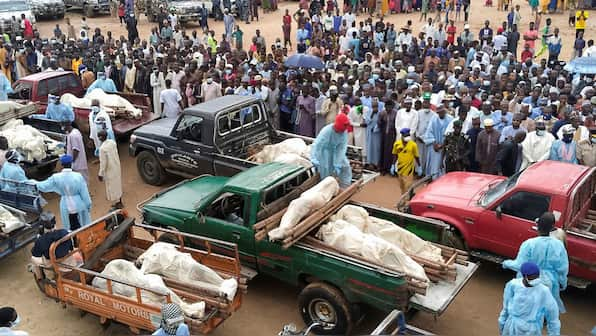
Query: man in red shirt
pixel 27 27
pixel 526 53
pixel 451 31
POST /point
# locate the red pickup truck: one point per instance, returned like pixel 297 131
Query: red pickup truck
pixel 36 88
pixel 492 215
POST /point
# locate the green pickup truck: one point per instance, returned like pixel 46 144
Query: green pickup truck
pixel 335 286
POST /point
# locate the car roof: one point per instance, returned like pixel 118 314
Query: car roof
pixel 188 195
pixel 208 109
pixel 44 75
pixel 552 177
pixel 259 178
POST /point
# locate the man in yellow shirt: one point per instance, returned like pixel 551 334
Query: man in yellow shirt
pixel 407 154
pixel 580 21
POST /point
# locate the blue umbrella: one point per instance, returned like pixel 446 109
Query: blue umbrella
pixel 582 65
pixel 304 61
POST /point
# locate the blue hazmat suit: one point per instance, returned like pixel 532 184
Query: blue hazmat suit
pixel 59 112
pixel 328 155
pixel 107 85
pixel 551 256
pixel 14 172
pixel 72 188
pixel 5 87
pixel 526 308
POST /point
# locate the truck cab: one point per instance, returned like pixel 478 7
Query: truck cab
pixel 493 215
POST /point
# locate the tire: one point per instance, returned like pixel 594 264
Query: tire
pixel 322 302
pixel 61 16
pixel 454 239
pixel 150 169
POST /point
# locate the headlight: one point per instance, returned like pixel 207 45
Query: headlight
pixel 133 138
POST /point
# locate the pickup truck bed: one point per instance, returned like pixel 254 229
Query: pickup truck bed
pixel 115 236
pixel 12 242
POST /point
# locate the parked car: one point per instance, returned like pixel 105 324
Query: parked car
pixel 186 10
pixel 90 8
pixel 48 8
pixel 493 215
pixel 14 8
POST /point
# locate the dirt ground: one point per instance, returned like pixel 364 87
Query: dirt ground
pixel 270 304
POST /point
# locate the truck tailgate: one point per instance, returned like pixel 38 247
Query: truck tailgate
pixel 124 126
pixel 440 295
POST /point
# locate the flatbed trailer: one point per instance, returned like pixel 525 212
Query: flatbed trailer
pixel 116 236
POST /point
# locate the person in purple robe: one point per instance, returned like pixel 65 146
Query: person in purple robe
pixel 305 105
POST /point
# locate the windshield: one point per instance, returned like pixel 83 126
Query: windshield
pixel 495 192
pixel 13 6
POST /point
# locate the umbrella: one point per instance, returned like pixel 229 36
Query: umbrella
pixel 582 65
pixel 304 61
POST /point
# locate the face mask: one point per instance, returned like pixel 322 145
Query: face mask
pixel 15 322
pixel 539 132
pixel 409 81
pixel 209 80
pixel 408 138
pixel 534 282
pixel 547 117
pixel 228 71
pixel 375 77
pixel 567 138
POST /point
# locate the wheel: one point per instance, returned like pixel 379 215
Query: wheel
pixel 88 11
pixel 61 16
pixel 320 302
pixel 150 169
pixel 454 239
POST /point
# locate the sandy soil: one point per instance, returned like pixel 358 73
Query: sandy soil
pixel 270 304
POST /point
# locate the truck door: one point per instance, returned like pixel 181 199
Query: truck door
pixel 227 219
pixel 188 153
pixel 508 222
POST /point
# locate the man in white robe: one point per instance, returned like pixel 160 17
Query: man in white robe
pixel 425 114
pixel 158 84
pixel 98 120
pixel 536 146
pixel 109 169
pixel 406 117
pixel 433 139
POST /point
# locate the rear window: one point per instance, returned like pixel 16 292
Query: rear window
pixel 273 194
pixel 237 119
pixel 68 82
pixel 42 88
pixel 54 85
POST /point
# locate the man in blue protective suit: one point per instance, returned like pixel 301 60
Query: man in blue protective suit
pixel 106 84
pixel 527 303
pixel 11 170
pixel 549 254
pixel 329 151
pixel 75 202
pixel 56 110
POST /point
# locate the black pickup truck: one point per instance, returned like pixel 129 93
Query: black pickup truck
pixel 216 137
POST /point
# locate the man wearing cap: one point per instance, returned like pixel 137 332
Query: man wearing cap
pixel 56 111
pixel 527 304
pixel 434 140
pixel 564 149
pixel 536 146
pixel 548 253
pixel 75 202
pixel 40 253
pixel 406 152
pixel 210 89
pixel 328 153
pixel 106 84
pixel 586 150
pixel 407 117
pixel 486 148
pixel 456 155
pixel 331 106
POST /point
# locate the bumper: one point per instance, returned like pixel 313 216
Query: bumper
pixel 50 11
pixel 189 17
pixel 131 150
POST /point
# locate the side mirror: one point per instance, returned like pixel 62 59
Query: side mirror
pixel 498 212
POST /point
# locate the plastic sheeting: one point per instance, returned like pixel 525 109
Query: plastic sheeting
pixel 309 201
pixel 29 142
pixel 8 221
pixel 394 234
pixel 293 150
pixel 349 238
pixel 126 271
pixel 165 259
pixel 107 101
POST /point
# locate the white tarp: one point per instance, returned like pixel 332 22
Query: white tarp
pixel 107 101
pixel 309 201
pixel 165 259
pixel 8 221
pixel 126 271
pixel 28 141
pixel 394 234
pixel 349 238
pixel 293 150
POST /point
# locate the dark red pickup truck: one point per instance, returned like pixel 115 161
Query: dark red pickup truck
pixel 36 88
pixel 491 215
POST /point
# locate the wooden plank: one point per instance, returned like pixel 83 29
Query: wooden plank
pixel 114 238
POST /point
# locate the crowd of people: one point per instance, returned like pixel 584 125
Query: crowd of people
pixel 419 103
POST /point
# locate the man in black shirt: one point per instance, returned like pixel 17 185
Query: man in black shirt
pixel 40 253
pixel 509 156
